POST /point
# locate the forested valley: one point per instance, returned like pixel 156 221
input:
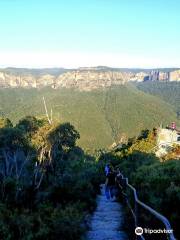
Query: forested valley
pixel 103 116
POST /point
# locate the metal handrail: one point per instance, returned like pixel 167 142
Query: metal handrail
pixel 159 216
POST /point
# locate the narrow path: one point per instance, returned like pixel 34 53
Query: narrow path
pixel 107 220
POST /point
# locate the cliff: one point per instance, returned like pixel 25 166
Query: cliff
pixel 83 79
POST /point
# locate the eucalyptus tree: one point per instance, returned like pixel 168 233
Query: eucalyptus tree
pixel 53 142
pixel 15 155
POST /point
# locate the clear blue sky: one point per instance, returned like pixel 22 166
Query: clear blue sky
pixel 139 33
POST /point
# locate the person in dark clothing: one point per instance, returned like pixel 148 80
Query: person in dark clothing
pixel 118 181
pixel 118 175
pixel 110 185
pixel 107 168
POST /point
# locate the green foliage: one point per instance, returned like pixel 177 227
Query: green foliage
pixel 63 135
pixel 157 183
pixel 146 142
pixel 47 183
pixel 102 116
pixel 66 224
pixel 5 123
pixel 48 222
pixel 30 124
pixel 168 91
pixel 159 186
pixel 129 165
pixel 12 138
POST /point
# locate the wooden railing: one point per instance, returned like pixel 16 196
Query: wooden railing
pixel 134 205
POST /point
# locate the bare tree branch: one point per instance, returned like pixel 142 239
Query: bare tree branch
pixel 47 115
pixel 51 116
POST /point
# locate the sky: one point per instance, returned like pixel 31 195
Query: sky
pixel 83 33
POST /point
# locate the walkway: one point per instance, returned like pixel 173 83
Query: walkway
pixel 106 223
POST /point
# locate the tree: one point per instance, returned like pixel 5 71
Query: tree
pixel 144 134
pixel 63 137
pixel 61 140
pixel 15 155
pixel 30 124
pixel 53 142
pixel 146 142
pixel 5 123
pixel 12 146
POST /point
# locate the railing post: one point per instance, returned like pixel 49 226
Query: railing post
pixel 136 212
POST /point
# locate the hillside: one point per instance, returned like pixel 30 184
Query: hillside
pixel 168 92
pixel 101 117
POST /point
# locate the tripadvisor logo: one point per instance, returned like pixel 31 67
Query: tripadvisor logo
pixel 139 231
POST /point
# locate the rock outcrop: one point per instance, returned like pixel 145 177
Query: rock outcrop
pixel 174 76
pixel 84 78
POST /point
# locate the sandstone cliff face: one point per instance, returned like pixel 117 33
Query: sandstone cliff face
pixel 174 76
pixel 88 80
pixel 9 80
pixel 83 79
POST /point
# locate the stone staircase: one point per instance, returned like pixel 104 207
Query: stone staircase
pixel 107 220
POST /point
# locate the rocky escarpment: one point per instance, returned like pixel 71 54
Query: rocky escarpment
pixel 174 76
pixel 83 79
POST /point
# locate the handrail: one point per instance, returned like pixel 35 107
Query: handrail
pixel 159 216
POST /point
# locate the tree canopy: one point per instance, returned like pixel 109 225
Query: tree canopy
pixel 47 183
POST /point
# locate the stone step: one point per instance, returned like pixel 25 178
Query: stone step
pixel 107 235
pixel 107 220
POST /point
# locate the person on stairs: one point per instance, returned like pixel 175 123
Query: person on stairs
pixel 118 184
pixel 107 168
pixel 110 185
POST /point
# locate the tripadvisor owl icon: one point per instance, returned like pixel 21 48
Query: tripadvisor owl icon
pixel 139 231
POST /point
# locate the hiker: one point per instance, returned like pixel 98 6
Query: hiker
pixel 118 182
pixel 107 168
pixel 110 185
pixel 119 175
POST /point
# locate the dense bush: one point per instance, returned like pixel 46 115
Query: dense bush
pixel 159 186
pixel 47 222
pixel 48 185
pixel 157 182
